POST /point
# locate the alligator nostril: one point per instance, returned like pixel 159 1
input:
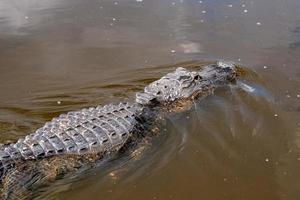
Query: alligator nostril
pixel 197 77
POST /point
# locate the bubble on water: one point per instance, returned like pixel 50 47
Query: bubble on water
pixel 275 115
pixel 114 19
pixel 298 96
pixel 173 3
pixel 173 51
pixel 267 160
pixel 230 5
pixel 26 17
pixel 288 96
pixel 200 2
pixel 243 5
pixel 116 3
pixel 58 102
pixel 265 67
pixel 258 23
pixel 203 11
pixel 285 173
pixel 245 11
pixel 139 0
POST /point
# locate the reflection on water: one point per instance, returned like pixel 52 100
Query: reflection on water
pixel 241 143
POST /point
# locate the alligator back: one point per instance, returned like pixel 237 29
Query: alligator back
pixel 87 131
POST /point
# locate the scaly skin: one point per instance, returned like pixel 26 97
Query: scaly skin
pixel 82 138
pixel 86 131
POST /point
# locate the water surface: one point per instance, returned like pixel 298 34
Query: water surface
pixel 241 143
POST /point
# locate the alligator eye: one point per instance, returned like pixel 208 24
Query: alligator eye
pixel 197 78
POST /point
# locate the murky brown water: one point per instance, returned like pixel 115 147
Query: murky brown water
pixel 57 56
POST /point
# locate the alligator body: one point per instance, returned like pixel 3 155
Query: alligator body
pixel 83 137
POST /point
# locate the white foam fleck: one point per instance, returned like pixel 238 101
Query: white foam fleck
pixel 258 23
pixel 245 11
pixel 203 11
pixel 246 87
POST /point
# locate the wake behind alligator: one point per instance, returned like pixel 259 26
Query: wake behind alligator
pixel 81 138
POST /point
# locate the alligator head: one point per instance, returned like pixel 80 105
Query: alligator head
pixel 183 84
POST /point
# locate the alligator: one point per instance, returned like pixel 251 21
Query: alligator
pixel 82 138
